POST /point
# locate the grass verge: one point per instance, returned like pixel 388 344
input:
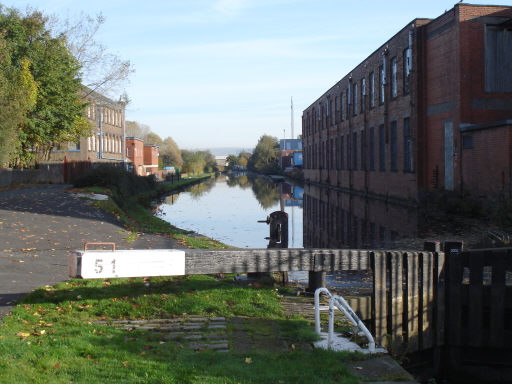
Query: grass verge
pixel 136 214
pixel 52 337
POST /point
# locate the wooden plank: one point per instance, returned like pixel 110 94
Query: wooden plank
pixel 498 290
pixel 397 302
pixel 475 303
pixel 379 299
pixel 361 306
pixel 412 301
pixel 453 305
pixel 428 300
pixel 440 299
pixel 201 261
pixel 206 261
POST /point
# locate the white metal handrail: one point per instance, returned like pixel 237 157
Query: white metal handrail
pixel 339 302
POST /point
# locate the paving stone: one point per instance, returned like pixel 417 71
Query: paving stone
pixel 216 326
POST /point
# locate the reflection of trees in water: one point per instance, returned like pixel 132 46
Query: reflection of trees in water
pixel 267 193
pixel 198 190
pixel 240 180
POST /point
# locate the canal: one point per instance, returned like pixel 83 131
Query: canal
pixel 228 208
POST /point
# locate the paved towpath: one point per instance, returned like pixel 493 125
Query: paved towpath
pixel 39 225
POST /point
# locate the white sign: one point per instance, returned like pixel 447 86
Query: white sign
pixel 127 263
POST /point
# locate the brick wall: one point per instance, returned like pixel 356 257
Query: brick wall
pixel 151 158
pixel 135 154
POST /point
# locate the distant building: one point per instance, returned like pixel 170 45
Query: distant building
pixel 107 143
pixel 135 155
pixel 290 151
pixel 151 159
pixel 221 162
pixel 430 108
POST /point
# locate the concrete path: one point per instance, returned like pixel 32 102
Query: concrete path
pixel 39 225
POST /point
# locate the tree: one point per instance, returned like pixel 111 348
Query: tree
pixel 18 92
pixel 197 162
pixel 101 70
pixel 51 74
pixel 136 129
pixel 233 160
pixel 244 158
pixel 170 153
pixel 265 158
pixel 153 139
pixel 193 162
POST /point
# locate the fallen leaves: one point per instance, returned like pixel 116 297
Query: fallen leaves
pixel 23 335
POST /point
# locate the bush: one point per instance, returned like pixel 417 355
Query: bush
pixel 122 183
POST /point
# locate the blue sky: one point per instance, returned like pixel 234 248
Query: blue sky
pixel 218 73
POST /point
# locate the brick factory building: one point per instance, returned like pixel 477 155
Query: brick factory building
pixel 430 108
pixel 107 142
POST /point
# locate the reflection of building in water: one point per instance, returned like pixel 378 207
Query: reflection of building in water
pixel 292 203
pixel 334 219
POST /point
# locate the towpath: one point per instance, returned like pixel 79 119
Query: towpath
pixel 39 225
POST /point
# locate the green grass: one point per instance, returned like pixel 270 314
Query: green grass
pixel 51 336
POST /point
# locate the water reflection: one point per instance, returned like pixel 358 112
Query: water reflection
pixel 334 219
pixel 228 208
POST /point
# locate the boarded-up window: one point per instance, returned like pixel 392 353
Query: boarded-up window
pixel 407 146
pixel 372 149
pixel 394 154
pixel 498 59
pixel 382 148
pixel 342 153
pixel 354 151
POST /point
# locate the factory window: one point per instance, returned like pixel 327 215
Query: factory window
pixel 393 78
pixel 371 149
pixel 363 93
pixel 382 148
pixel 408 165
pixel 354 86
pixel 406 72
pixel 382 78
pixel 363 152
pixel 342 153
pixel 372 90
pixel 354 150
pixel 394 155
pixel 498 59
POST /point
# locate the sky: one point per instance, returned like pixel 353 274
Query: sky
pixel 221 73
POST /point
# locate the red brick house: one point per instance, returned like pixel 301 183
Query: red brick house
pixel 430 108
pixel 151 159
pixel 135 155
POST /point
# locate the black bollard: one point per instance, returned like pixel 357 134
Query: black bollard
pixel 315 280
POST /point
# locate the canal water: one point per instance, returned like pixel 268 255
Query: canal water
pixel 228 209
